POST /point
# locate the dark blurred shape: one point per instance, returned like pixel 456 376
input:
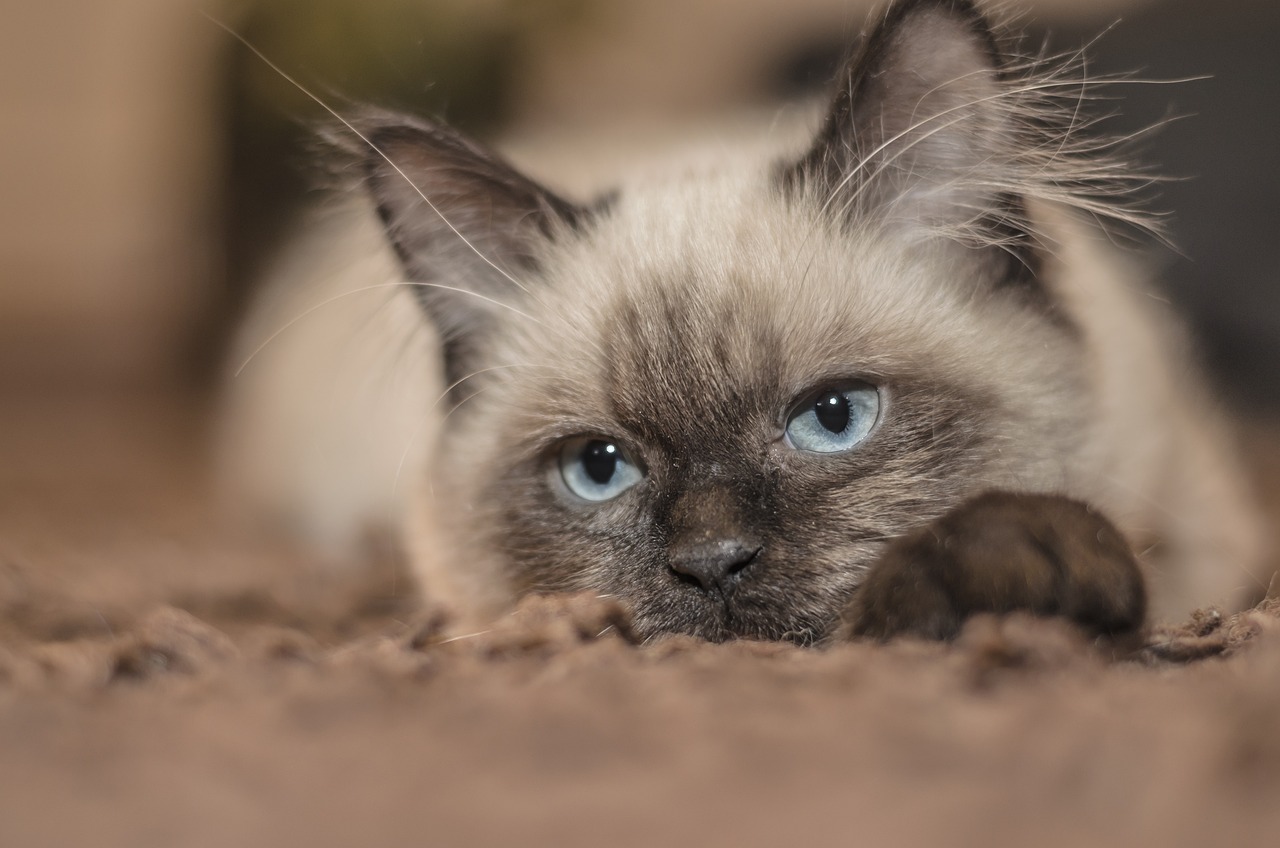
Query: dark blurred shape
pixel 809 68
pixel 1226 194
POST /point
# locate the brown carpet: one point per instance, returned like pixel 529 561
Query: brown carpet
pixel 165 681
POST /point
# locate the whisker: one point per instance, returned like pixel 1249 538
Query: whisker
pixel 399 284
pixel 358 134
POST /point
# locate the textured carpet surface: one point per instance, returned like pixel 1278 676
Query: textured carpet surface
pixel 165 681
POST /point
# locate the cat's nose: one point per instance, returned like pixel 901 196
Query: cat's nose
pixel 712 565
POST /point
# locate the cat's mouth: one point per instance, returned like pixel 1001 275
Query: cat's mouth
pixel 778 594
pixel 721 617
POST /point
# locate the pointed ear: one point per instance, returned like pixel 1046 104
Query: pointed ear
pixel 920 134
pixel 466 226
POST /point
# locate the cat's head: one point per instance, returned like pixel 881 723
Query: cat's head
pixel 715 397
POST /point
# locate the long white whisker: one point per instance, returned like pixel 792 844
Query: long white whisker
pixel 341 295
pixel 346 123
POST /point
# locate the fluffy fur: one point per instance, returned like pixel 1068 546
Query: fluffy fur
pixel 930 239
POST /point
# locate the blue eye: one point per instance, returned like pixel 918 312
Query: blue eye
pixel 834 420
pixel 596 469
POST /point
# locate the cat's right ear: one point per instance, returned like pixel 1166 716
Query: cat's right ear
pixel 924 134
pixel 466 225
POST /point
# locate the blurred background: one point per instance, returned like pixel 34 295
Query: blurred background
pixel 152 163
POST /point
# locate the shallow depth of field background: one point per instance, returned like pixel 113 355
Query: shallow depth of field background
pixel 151 163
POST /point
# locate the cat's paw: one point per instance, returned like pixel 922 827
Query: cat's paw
pixel 1002 552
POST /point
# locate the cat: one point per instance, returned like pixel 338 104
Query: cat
pixel 868 382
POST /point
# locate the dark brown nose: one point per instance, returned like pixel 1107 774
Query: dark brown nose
pixel 713 565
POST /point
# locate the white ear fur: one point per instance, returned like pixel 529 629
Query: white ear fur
pixel 938 130
pixel 918 134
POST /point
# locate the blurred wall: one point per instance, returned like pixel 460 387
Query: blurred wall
pixel 108 238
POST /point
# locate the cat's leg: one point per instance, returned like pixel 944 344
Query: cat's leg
pixel 1002 552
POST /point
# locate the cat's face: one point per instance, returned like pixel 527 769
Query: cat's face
pixel 716 398
pixel 723 435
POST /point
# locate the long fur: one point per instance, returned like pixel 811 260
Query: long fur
pixel 937 237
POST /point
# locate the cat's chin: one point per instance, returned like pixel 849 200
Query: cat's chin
pixel 726 622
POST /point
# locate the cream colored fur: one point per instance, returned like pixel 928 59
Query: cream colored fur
pixel 331 423
pixel 880 262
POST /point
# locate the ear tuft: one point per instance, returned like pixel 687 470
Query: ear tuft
pixel 937 131
pixel 920 125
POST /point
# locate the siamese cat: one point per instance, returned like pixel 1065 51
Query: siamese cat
pixel 864 382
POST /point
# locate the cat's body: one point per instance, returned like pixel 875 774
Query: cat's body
pixel 718 395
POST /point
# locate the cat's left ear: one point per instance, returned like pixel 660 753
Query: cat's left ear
pixel 467 226
pixel 920 135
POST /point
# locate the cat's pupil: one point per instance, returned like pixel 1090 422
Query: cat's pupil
pixel 833 412
pixel 600 461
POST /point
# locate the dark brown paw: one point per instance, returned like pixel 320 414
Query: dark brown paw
pixel 997 553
